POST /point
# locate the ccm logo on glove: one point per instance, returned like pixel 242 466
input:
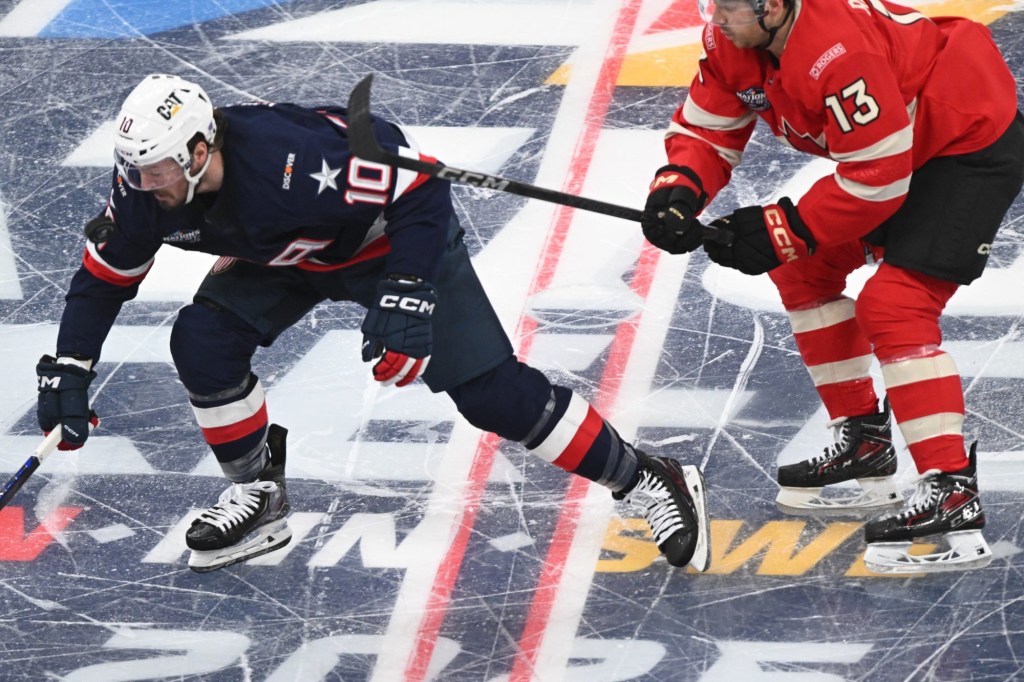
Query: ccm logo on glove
pixel 763 237
pixel 788 247
pixel 407 303
pixel 397 329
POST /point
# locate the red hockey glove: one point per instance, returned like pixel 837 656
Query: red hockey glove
pixel 669 220
pixel 764 237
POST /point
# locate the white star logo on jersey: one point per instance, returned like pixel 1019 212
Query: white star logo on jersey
pixel 326 177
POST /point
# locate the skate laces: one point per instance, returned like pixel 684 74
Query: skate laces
pixel 925 494
pixel 237 503
pixel 655 499
pixel 843 437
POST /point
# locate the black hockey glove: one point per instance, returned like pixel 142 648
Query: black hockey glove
pixel 669 220
pixel 397 329
pixel 100 229
pixel 64 400
pixel 764 237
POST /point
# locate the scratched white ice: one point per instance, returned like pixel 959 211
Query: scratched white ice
pixel 420 551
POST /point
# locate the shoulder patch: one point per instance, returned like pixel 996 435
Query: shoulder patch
pixel 826 58
pixel 755 99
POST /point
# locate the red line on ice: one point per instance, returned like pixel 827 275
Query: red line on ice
pixel 444 583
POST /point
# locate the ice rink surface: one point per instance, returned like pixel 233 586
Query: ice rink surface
pixel 423 551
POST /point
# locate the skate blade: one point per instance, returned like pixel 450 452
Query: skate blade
pixel 968 550
pixel 271 537
pixel 877 495
pixel 701 559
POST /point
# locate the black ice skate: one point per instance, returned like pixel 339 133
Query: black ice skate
pixel 248 519
pixel 862 452
pixel 674 501
pixel 945 505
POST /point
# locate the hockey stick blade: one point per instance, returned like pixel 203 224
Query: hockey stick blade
pixel 29 467
pixel 364 144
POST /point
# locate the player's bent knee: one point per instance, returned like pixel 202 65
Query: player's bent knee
pixel 187 334
pixel 211 349
pixel 899 310
pixel 508 400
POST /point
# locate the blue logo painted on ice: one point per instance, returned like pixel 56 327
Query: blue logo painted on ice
pixel 132 18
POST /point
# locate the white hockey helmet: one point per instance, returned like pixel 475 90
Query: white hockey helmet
pixel 731 12
pixel 157 121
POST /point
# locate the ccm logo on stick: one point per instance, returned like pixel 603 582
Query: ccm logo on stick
pixel 407 303
pixel 475 179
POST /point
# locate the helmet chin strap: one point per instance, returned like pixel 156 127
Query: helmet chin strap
pixel 775 29
pixel 193 180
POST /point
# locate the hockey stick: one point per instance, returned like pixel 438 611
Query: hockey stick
pixel 363 144
pixel 30 465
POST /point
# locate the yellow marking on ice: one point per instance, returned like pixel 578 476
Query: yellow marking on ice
pixel 632 539
pixel 777 545
pixel 677 65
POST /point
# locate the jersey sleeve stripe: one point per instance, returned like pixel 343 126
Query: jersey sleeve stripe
pixel 898 143
pixel 730 156
pixel 100 269
pixel 893 190
pixel 697 116
pixel 336 120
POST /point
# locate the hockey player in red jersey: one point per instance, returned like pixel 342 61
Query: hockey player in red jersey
pixel 298 219
pixel 921 117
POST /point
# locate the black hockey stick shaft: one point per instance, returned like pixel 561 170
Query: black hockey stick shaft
pixel 364 144
pixel 30 465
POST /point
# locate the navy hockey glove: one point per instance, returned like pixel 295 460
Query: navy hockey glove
pixel 669 219
pixel 397 329
pixel 764 237
pixel 64 400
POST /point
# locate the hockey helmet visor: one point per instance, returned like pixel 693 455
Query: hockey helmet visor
pixel 151 176
pixel 731 12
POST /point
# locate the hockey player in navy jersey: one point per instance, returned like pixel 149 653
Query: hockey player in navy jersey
pixel 296 219
pixel 921 117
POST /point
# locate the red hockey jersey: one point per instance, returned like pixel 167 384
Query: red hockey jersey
pixel 875 86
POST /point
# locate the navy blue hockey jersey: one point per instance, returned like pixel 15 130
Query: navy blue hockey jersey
pixel 292 196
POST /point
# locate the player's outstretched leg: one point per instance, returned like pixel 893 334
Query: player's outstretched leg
pixel 248 519
pixel 863 451
pixel 944 505
pixel 673 499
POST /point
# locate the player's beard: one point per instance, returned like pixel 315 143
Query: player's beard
pixel 743 39
pixel 172 197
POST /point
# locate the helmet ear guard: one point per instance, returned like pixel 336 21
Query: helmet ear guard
pixel 157 121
